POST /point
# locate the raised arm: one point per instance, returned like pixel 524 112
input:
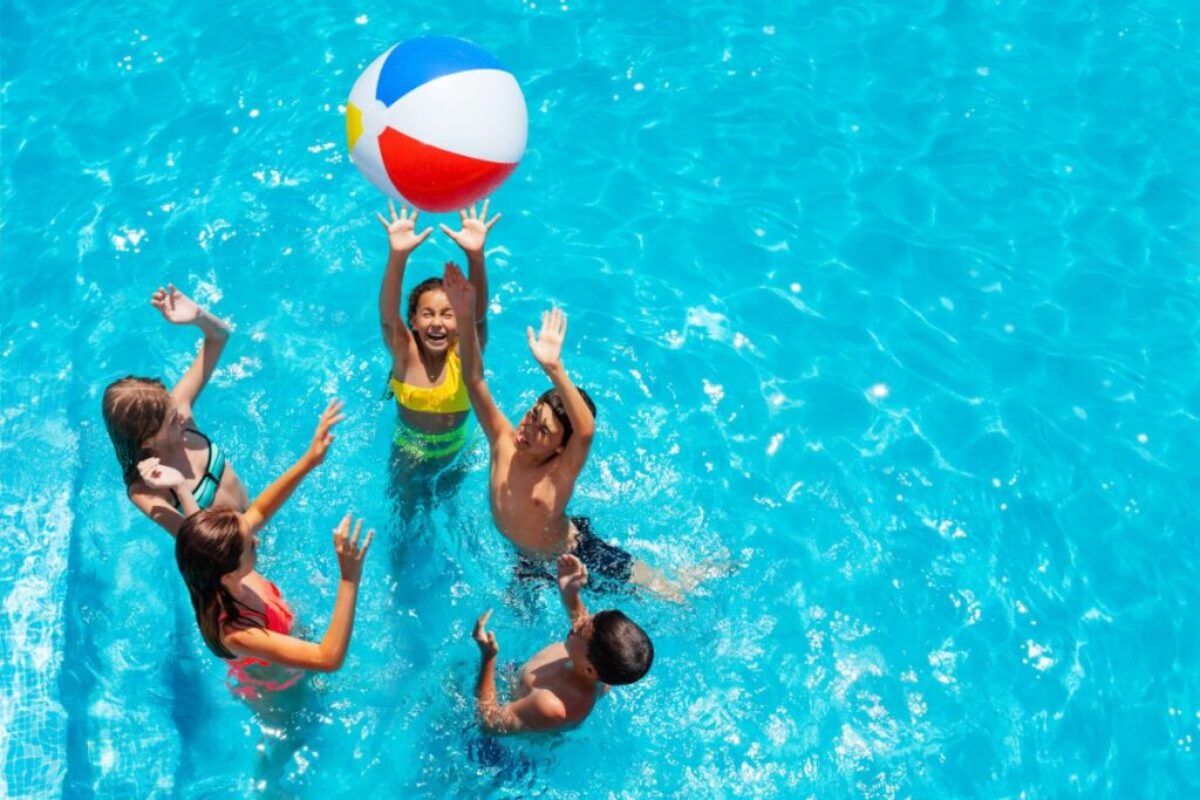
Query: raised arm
pixel 572 576
pixel 547 350
pixel 462 299
pixel 537 711
pixel 328 654
pixel 471 239
pixel 402 240
pixel 179 309
pixel 275 495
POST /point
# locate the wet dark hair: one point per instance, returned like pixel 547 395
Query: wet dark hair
pixel 414 297
pixel 208 547
pixel 134 409
pixel 552 398
pixel 620 651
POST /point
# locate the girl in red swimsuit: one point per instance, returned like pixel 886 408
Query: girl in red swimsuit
pixel 241 614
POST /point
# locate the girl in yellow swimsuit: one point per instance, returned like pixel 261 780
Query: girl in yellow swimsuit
pixel 426 377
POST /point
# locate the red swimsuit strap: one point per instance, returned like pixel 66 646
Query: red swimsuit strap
pixel 277 617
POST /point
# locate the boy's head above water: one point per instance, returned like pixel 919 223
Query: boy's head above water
pixel 611 648
pixel 545 429
pixel 430 317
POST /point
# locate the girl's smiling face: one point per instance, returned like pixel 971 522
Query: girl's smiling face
pixel 433 322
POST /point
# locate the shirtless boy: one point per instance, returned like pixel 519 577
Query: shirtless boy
pixel 534 466
pixel 558 687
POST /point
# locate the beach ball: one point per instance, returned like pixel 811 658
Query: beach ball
pixel 437 122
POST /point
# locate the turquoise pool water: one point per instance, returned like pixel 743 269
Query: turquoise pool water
pixel 894 304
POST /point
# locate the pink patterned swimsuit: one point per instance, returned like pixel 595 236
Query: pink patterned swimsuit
pixel 250 677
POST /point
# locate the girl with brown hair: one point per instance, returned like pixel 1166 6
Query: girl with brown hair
pixel 170 468
pixel 242 615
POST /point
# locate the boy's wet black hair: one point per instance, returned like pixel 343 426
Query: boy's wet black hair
pixel 620 651
pixel 552 398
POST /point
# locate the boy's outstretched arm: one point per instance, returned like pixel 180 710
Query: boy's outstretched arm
pixel 274 496
pixel 547 350
pixel 539 711
pixel 462 299
pixel 572 576
pixel 471 239
pixel 402 240
pixel 179 309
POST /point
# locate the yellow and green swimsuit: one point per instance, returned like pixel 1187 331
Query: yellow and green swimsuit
pixel 449 397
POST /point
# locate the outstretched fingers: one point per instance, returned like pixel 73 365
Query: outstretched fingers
pixel 333 408
pixel 487 223
pixel 340 533
pixel 453 275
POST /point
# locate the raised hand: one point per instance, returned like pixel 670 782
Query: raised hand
pixel 547 347
pixel 459 291
pixel 572 575
pixel 159 476
pixel 349 551
pixel 175 306
pixel 321 440
pixel 401 230
pixel 488 648
pixel 474 231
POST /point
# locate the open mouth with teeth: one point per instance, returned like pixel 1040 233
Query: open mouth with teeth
pixel 436 337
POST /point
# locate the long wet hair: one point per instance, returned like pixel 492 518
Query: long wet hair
pixel 134 410
pixel 208 547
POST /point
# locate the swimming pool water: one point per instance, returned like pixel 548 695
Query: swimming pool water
pixel 892 304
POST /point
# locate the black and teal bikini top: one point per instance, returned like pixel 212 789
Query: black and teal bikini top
pixel 206 490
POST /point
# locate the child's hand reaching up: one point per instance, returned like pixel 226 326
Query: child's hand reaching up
pixel 547 347
pixel 350 549
pixel 572 575
pixel 488 648
pixel 322 438
pixel 474 231
pixel 175 306
pixel 401 230
pixel 459 291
